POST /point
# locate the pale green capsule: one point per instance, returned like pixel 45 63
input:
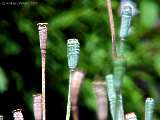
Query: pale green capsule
pixel 110 87
pixel 115 99
pixel 149 108
pixel 125 21
pixel 111 93
pixel 73 50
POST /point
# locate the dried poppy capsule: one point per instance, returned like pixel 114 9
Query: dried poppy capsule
pixel 77 79
pixel 37 106
pixel 17 114
pixel 42 28
pixel 131 116
pixel 101 97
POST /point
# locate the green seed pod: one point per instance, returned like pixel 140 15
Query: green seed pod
pixel 110 87
pixel 149 108
pixel 119 71
pixel 115 100
pixel 125 21
pixel 111 93
pixel 73 50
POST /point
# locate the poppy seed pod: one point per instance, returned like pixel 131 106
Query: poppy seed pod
pixel 149 108
pixel 101 98
pixel 115 100
pixel 73 50
pixel 42 28
pixel 126 18
pixel 37 106
pixel 17 114
pixel 131 116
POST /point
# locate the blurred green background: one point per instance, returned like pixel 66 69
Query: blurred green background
pixel 87 20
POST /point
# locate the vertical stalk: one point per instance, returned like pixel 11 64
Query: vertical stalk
pixel 119 71
pixel 42 27
pixel 37 106
pixel 77 80
pixel 115 100
pixel 73 50
pixel 119 112
pixel 75 112
pixel 43 86
pixel 112 28
pixel 69 96
pixel 122 48
pixel 17 114
pixel 101 97
pixel 149 108
pixel 111 94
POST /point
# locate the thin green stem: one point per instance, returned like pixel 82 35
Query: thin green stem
pixel 69 96
pixel 122 48
pixel 119 71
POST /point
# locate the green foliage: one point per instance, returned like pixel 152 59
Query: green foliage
pixel 3 81
pixel 149 13
pixel 88 95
